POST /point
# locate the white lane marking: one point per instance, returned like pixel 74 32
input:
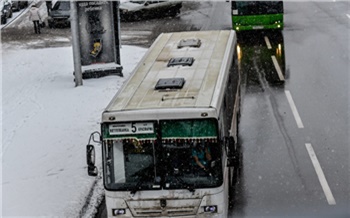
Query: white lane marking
pixel 294 109
pixel 277 66
pixel 267 41
pixel 348 15
pixel 327 191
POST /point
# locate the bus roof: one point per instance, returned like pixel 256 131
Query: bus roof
pixel 191 85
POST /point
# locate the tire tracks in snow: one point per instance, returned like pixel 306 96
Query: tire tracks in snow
pixel 25 96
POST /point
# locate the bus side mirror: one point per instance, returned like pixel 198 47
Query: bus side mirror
pixel 231 151
pixel 230 146
pixel 90 159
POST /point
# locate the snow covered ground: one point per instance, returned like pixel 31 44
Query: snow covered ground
pixel 46 122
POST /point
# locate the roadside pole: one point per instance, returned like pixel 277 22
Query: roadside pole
pixel 75 41
pixel 116 17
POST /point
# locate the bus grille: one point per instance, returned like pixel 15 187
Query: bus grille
pixel 165 211
pixel 174 208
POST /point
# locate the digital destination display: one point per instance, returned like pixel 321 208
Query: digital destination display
pixel 131 128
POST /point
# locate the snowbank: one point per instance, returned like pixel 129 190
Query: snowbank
pixel 46 124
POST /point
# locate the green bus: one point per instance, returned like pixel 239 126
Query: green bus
pixel 257 15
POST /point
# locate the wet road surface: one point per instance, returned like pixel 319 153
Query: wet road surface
pixel 294 124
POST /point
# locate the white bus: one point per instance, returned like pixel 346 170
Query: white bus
pixel 182 96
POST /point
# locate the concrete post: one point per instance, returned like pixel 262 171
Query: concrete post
pixel 78 77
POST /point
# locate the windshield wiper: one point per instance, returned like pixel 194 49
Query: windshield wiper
pixel 138 185
pixel 143 174
pixel 188 187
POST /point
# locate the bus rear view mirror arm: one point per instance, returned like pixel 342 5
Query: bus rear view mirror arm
pixel 92 137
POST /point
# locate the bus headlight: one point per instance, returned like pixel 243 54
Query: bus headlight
pixel 239 52
pixel 211 209
pixel 117 212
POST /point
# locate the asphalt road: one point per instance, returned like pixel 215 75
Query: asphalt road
pixel 295 135
pixel 294 126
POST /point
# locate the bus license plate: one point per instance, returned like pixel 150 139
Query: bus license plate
pixel 258 27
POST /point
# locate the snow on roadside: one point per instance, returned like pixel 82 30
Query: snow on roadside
pixel 46 125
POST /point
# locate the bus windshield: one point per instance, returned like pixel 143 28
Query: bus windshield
pixel 136 162
pixel 184 142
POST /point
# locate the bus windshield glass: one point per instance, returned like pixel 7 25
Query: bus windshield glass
pixel 257 7
pixel 129 155
pixel 171 154
pixel 192 154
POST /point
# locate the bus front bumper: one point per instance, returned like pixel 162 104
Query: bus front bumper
pixel 258 27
